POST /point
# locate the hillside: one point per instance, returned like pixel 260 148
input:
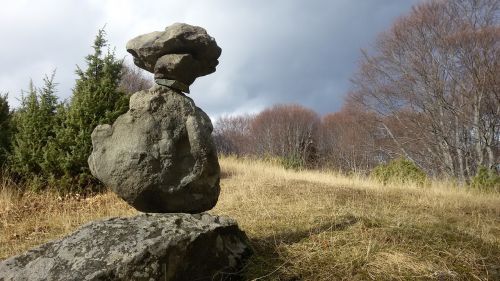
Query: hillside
pixel 310 225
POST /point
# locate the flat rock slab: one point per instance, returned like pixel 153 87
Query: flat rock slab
pixel 146 247
pixel 159 156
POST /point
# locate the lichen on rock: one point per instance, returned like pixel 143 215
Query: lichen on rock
pixel 172 247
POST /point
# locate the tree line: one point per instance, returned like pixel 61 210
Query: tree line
pixel 46 142
pixel 348 140
pixel 429 92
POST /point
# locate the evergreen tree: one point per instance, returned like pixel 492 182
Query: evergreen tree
pixel 54 151
pixel 5 129
pixel 36 124
pixel 96 100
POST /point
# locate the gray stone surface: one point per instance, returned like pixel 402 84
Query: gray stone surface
pixel 147 247
pixel 181 67
pixel 173 84
pixel 182 52
pixel 159 156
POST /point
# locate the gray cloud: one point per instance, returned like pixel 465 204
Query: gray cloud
pixel 273 51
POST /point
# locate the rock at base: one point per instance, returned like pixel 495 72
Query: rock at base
pixel 146 247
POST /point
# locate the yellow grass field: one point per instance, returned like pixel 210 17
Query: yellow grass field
pixel 309 225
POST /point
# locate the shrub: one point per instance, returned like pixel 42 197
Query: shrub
pixel 399 171
pixel 52 140
pixel 292 162
pixel 486 179
pixel 35 123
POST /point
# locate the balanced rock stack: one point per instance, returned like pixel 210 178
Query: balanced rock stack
pixel 160 158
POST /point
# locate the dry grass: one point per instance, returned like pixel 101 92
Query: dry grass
pixel 32 219
pixel 312 225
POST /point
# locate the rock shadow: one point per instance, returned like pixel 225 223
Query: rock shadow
pixel 267 261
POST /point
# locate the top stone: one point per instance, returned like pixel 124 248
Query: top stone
pixel 181 53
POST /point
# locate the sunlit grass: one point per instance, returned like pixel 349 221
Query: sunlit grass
pixel 311 225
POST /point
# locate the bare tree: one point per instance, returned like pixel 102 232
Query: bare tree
pixel 350 140
pixel 288 131
pixel 133 79
pixel 232 135
pixel 435 76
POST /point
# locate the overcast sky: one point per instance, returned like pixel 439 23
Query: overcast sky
pixel 274 51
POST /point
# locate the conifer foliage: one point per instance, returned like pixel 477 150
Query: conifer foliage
pixel 52 140
pixel 36 125
pixel 5 129
pixel 96 100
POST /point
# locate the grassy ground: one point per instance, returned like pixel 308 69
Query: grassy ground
pixel 311 225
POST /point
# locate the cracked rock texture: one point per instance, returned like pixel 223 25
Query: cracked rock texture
pixel 159 156
pixel 146 247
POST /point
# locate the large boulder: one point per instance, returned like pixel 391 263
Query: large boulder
pixel 147 247
pixel 159 156
pixel 182 53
